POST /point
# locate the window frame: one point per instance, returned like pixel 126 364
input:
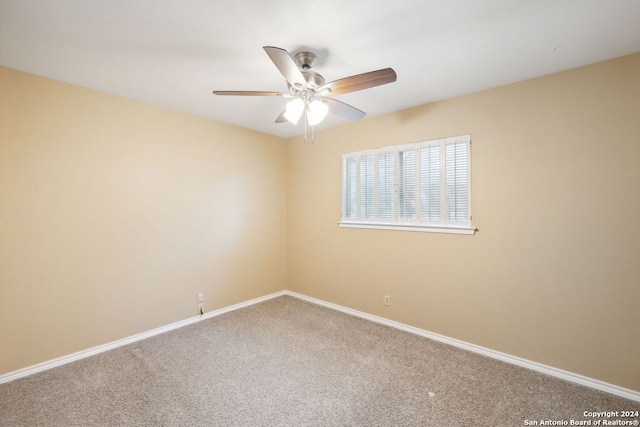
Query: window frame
pixel 442 225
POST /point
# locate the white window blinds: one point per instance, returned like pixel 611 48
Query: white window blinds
pixel 424 185
pixel 367 187
pixel 407 184
pixel 349 204
pixel 430 183
pixel 386 186
pixel 457 181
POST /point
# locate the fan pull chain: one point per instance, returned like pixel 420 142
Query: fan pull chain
pixel 305 126
pixel 306 122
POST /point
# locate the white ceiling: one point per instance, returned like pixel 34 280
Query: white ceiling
pixel 174 53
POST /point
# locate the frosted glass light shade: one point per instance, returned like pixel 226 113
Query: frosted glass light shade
pixel 294 110
pixel 316 112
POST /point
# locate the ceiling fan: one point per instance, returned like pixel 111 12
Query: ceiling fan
pixel 308 91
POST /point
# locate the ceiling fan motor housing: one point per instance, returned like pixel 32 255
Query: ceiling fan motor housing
pixel 304 61
pixel 314 82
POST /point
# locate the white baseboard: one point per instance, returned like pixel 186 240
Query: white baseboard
pixel 30 370
pixel 549 370
pixel 514 360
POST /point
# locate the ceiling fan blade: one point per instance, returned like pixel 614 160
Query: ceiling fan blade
pixel 361 81
pixel 344 110
pixel 281 118
pixel 287 66
pixel 247 93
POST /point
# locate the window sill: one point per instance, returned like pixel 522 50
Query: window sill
pixel 449 229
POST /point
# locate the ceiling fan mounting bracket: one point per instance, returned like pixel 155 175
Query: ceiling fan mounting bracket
pixel 305 60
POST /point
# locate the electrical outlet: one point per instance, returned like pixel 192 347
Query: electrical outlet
pixel 387 300
pixel 200 297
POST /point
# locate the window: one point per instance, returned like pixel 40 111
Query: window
pixel 423 186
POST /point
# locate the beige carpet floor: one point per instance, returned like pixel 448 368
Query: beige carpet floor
pixel 285 362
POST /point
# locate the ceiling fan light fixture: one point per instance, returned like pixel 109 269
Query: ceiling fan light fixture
pixel 316 112
pixel 308 92
pixel 294 110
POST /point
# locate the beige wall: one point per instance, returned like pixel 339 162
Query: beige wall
pixel 552 275
pixel 114 214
